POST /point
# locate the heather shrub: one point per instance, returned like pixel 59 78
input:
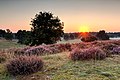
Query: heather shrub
pixel 68 46
pixel 86 54
pixel 3 57
pixel 81 45
pixel 24 65
pixel 38 50
pixel 116 50
pixel 61 47
pixel 21 51
pixel 108 48
pixel 54 50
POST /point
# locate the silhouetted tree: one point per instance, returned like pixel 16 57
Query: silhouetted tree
pixel 87 37
pixel 66 36
pixel 101 35
pixel 2 33
pixel 8 35
pixel 46 28
pixel 72 36
pixel 23 37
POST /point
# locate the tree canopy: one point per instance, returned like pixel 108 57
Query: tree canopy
pixel 101 35
pixel 46 28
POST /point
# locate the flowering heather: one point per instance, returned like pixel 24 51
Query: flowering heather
pixel 24 65
pixel 116 50
pixel 62 47
pixel 38 50
pixel 108 48
pixel 86 54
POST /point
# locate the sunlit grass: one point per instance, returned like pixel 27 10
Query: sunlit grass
pixel 4 44
pixel 59 67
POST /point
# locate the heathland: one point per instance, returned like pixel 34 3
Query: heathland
pixel 68 60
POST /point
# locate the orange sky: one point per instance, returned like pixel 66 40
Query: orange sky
pixel 95 14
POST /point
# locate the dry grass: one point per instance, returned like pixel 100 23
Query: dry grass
pixel 59 67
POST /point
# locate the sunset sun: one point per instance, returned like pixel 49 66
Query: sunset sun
pixel 84 29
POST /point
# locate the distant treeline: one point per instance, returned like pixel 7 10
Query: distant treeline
pixel 23 35
pixel 7 34
pixel 75 35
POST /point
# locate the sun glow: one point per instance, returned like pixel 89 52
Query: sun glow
pixel 84 28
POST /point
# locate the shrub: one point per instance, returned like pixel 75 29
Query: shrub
pixel 86 54
pixel 108 48
pixel 116 50
pixel 38 50
pixel 61 47
pixel 88 38
pixel 102 35
pixel 24 65
pixel 21 51
pixel 2 57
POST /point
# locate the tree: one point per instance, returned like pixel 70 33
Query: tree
pixel 87 37
pixel 2 33
pixel 8 35
pixel 23 36
pixel 101 35
pixel 46 28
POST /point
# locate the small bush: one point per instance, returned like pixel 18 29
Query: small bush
pixel 102 35
pixel 21 51
pixel 2 57
pixel 108 48
pixel 116 50
pixel 24 65
pixel 38 50
pixel 88 38
pixel 86 54
pixel 64 47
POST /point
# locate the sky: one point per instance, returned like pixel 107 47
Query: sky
pixel 94 14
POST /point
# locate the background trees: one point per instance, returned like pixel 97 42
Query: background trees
pixel 23 36
pixel 46 28
pixel 101 35
pixel 8 35
pixel 2 33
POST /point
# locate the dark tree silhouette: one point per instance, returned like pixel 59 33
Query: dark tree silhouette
pixel 101 35
pixel 23 36
pixel 46 28
pixel 8 35
pixel 87 37
pixel 2 33
pixel 66 36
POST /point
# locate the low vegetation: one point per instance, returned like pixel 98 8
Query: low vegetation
pixel 3 57
pixel 87 54
pixel 5 44
pixel 98 60
pixel 24 65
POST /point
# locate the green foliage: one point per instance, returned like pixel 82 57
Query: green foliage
pixel 46 28
pixel 2 33
pixel 23 37
pixel 8 35
pixel 102 35
pixel 24 65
